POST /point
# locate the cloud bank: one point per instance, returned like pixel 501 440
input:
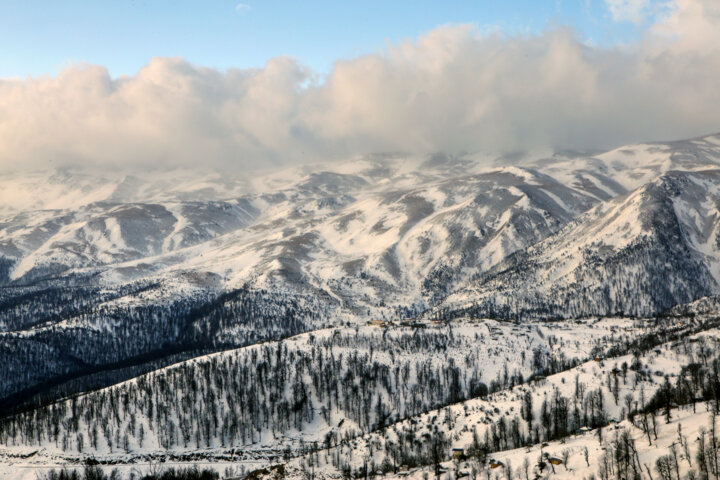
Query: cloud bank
pixel 453 90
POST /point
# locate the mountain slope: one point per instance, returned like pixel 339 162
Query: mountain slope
pixel 640 254
pixel 334 248
pixel 335 232
pixel 314 387
pixel 49 242
pixel 629 167
pixel 547 414
pixel 126 272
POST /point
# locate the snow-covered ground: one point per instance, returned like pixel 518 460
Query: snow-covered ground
pixel 395 230
pixel 596 445
pixel 462 422
pixel 631 231
pixel 498 347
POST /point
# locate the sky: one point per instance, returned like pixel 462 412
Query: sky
pixel 226 85
pixel 43 37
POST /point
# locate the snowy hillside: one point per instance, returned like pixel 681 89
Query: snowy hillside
pixel 103 279
pixel 618 450
pixel 69 190
pixel 369 243
pixel 639 254
pixel 393 231
pixel 357 402
pixel 319 387
pixel 632 166
pixel 551 414
pixel 325 230
pixel 50 242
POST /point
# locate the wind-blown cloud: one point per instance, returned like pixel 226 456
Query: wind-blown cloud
pixel 452 90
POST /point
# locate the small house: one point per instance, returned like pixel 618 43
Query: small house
pixel 496 464
pixel 458 453
pixel 555 460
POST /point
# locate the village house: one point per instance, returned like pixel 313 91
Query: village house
pixel 458 453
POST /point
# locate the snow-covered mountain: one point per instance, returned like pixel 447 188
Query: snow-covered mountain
pixel 400 237
pixel 187 315
pixel 413 229
pixel 69 189
pixel 115 272
pixel 632 166
pixel 639 254
pixel 48 242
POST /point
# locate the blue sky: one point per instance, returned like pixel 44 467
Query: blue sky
pixel 45 36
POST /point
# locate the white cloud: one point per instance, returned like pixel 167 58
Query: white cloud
pixel 242 7
pixel 628 10
pixel 451 90
pixel 691 26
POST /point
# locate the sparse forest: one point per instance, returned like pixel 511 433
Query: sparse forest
pixel 93 331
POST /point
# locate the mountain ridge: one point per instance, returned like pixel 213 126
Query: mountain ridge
pixel 379 238
pixel 655 222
